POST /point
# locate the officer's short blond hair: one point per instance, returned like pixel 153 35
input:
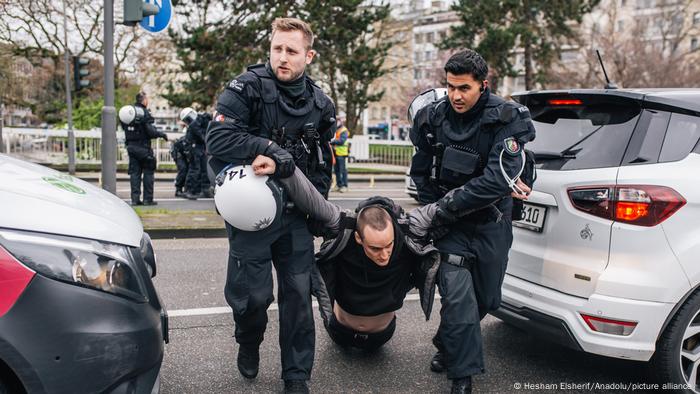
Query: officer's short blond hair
pixel 294 24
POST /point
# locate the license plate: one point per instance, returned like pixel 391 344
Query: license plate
pixel 533 217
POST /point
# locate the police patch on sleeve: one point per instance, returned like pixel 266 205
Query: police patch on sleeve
pixel 511 146
pixel 236 85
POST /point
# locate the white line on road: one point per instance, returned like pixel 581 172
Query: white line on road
pixel 220 310
pixel 330 199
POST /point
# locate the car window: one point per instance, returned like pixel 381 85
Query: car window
pixel 645 146
pixel 682 136
pixel 589 135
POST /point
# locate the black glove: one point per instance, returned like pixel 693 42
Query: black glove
pixel 438 232
pixel 283 160
pixel 443 215
pixel 165 136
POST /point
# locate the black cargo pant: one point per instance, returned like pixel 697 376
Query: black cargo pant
pixel 182 167
pixel 142 164
pixel 197 172
pixel 469 292
pixel 288 245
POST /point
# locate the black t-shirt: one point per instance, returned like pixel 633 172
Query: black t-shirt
pixel 365 289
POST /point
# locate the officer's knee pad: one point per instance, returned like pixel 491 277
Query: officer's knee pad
pixel 259 298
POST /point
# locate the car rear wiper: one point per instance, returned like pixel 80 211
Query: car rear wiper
pixel 549 155
pixel 570 149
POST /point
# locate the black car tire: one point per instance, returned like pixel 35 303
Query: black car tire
pixel 667 363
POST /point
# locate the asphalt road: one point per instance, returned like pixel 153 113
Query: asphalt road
pixel 201 355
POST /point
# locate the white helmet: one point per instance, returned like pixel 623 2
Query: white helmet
pixel 188 115
pixel 128 114
pixel 247 201
pixel 423 99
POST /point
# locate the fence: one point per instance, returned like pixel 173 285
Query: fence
pixel 50 146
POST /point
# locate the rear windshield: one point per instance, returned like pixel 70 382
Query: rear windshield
pixel 581 132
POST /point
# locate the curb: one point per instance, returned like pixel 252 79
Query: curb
pixel 186 233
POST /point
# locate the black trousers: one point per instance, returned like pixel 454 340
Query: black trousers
pixel 469 294
pixel 182 168
pixel 288 245
pixel 142 164
pixel 197 173
pixel 347 337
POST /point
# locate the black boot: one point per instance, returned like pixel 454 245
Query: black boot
pixel 191 196
pixel 437 364
pixel 461 385
pixel 248 360
pixel 296 387
pixel 439 361
pixel 179 192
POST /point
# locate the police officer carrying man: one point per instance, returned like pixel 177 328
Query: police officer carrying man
pixel 467 143
pixel 274 116
pixel 197 179
pixel 142 161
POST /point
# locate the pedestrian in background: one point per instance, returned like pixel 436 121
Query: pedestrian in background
pixel 341 149
pixel 180 151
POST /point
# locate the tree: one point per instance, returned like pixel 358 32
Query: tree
pixel 661 34
pixel 217 41
pixel 33 30
pixel 352 47
pixel 494 28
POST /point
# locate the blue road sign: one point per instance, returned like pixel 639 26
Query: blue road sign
pixel 159 22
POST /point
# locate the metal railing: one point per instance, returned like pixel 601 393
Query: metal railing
pixel 50 146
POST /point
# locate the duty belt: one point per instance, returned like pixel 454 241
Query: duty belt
pixel 457 260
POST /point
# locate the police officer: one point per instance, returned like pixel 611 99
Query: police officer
pixel 274 116
pixel 341 150
pixel 142 161
pixel 179 151
pixel 197 179
pixel 468 143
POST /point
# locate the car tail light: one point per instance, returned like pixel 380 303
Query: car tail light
pixel 565 102
pixel 14 278
pixel 641 205
pixel 609 326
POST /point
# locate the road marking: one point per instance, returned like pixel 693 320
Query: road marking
pixel 221 310
pixel 330 199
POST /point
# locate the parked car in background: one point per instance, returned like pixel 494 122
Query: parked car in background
pixel 78 310
pixel 607 258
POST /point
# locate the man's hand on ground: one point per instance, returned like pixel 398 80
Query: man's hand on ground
pixel 263 165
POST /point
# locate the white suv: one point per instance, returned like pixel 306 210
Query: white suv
pixel 607 259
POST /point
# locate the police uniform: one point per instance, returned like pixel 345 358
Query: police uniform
pixel 465 152
pixel 197 179
pixel 180 151
pixel 252 111
pixel 142 161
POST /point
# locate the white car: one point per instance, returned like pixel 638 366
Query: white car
pixel 607 259
pixel 78 310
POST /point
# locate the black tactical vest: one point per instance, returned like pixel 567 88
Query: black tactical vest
pixel 462 154
pixel 294 129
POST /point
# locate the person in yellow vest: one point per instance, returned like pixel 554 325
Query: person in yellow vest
pixel 341 148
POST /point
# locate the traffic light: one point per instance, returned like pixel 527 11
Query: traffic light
pixel 80 72
pixel 136 10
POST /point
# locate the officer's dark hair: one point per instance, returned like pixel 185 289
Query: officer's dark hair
pixel 375 217
pixel 293 24
pixel 140 96
pixel 467 62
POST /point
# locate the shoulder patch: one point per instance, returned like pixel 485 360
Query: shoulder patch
pixel 236 85
pixel 511 146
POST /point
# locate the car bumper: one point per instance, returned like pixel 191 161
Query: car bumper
pixel 62 338
pixel 557 316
